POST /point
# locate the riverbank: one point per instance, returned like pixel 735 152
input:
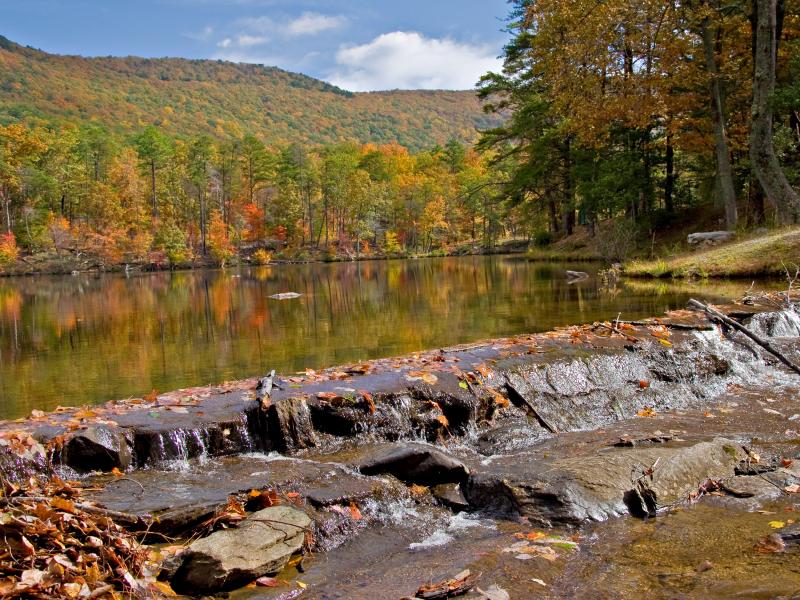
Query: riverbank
pixel 495 453
pixel 66 263
pixel 767 254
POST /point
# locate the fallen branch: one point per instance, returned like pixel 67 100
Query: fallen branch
pixel 531 408
pixel 714 314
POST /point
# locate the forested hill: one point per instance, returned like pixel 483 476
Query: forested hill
pixel 189 97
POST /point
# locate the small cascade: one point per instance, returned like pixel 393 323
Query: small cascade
pixel 173 448
pixel 785 323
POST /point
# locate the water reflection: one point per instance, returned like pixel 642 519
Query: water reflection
pixel 91 338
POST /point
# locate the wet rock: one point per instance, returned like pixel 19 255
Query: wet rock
pixel 340 489
pixel 350 416
pixel 459 405
pixel 510 437
pixel 573 490
pixel 175 501
pixel 17 468
pixel 290 425
pixel 98 448
pixel 791 535
pixel 261 545
pixel 580 393
pixel 416 463
pixel 451 496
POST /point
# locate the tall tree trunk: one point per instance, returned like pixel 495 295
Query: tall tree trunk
pixel 756 201
pixel 153 187
pixel 553 214
pixel 7 201
pixel 669 182
pixel 762 153
pixel 724 170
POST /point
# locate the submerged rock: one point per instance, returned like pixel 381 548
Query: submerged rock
pixel 416 463
pixel 227 559
pixel 451 496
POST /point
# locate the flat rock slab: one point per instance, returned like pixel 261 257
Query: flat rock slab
pixel 594 487
pixel 177 500
pixel 261 545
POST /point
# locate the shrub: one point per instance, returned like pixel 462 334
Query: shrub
pixel 219 241
pixel 172 241
pixel 542 238
pixel 261 257
pixel 390 244
pixel 9 252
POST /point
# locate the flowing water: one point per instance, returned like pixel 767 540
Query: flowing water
pixel 74 340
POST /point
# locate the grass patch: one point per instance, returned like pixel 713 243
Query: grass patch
pixel 762 255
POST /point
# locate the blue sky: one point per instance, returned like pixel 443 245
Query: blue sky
pixel 357 44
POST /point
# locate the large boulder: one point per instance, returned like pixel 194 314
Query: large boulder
pixel 231 558
pixel 596 487
pixel 98 448
pixel 416 463
pixel 709 238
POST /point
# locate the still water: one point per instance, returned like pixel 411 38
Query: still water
pixel 73 340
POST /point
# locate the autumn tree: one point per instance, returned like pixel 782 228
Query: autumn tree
pixel 153 149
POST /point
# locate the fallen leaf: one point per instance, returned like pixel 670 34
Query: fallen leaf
pixel 792 489
pixel 267 582
pixel 776 524
pixel 370 402
pixel 646 412
pixel 164 588
pixel 354 512
pixel 644 384
pixel 771 544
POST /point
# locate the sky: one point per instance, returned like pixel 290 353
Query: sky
pixel 359 45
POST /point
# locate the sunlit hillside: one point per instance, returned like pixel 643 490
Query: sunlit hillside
pixel 187 97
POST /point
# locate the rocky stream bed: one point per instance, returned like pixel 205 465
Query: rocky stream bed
pixel 655 459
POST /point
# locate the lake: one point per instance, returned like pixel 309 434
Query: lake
pixel 73 340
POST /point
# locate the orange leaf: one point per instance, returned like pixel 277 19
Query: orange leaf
pixel 152 396
pixel 370 402
pixel 483 370
pixel 62 504
pixel 643 384
pixel 443 420
pixel 354 512
pixel 646 412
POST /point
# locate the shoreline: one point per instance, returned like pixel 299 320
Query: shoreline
pixel 66 267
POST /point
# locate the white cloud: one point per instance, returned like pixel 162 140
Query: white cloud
pixel 257 24
pixel 310 23
pixel 226 43
pixel 409 60
pixel 244 40
pixel 201 36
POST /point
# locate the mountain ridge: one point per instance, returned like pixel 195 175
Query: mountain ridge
pixel 192 96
